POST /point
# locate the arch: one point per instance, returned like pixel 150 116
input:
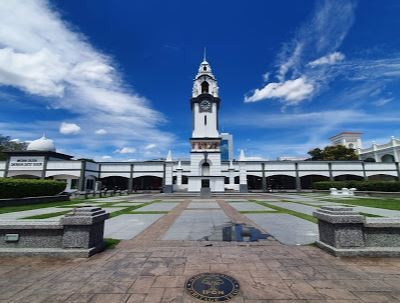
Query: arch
pixel 254 182
pixel 350 173
pixel 106 174
pixel 283 173
pixel 144 174
pixel 185 179
pixel 369 160
pixel 147 183
pixel 388 158
pixel 382 177
pixel 25 176
pixel 307 181
pixel 204 87
pixel 348 177
pixel 281 182
pixel 72 174
pixel 114 182
pixel 205 169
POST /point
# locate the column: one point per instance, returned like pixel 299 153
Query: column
pixel 130 181
pixel 298 181
pixel 46 159
pixel 242 177
pixel 82 179
pixel 364 172
pixel 264 179
pixel 179 174
pixel 168 173
pixel 331 178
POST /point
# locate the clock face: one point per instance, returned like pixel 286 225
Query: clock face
pixel 205 105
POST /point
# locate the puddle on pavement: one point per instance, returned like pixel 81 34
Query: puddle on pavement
pixel 236 232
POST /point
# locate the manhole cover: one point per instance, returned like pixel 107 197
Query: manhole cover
pixel 212 287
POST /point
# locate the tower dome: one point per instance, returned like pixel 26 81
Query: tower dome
pixel 42 144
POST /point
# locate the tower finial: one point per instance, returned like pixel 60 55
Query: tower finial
pixel 205 54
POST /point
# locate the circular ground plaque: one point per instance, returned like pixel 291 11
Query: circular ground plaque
pixel 212 287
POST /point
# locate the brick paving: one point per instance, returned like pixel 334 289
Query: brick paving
pixel 148 269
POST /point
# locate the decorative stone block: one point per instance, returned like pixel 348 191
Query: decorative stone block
pixel 84 228
pixel 344 232
pixel 340 226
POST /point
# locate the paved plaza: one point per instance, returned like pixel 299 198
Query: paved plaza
pixel 163 245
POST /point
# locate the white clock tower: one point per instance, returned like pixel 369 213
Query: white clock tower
pixel 205 157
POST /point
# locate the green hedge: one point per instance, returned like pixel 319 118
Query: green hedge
pixel 20 188
pixel 387 186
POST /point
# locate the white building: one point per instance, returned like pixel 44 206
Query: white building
pixel 388 152
pixel 348 139
pixel 205 169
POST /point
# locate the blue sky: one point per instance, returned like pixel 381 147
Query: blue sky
pixel 111 80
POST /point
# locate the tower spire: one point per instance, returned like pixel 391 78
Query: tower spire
pixel 205 54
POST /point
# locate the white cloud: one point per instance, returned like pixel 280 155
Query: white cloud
pixel 150 146
pixel 266 76
pixel 383 101
pixel 101 131
pixel 106 157
pixel 328 59
pixel 43 55
pixel 316 41
pixel 125 150
pixel 291 91
pixel 69 128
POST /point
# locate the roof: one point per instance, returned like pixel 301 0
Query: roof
pixel 346 133
pixel 39 153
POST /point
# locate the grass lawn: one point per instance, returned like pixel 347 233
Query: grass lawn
pixel 46 216
pixel 385 203
pixel 10 209
pixel 287 211
pixel 111 243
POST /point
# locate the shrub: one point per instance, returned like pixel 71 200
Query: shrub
pixel 20 188
pixel 386 186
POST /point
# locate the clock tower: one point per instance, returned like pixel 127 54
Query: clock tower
pixel 205 157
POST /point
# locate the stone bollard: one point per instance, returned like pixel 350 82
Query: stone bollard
pixel 84 229
pixel 339 227
pixel 333 191
pixel 352 190
pixel 345 191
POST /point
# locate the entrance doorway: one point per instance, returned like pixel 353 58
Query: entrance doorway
pixel 205 183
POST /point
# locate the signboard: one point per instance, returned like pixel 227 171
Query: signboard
pixel 26 163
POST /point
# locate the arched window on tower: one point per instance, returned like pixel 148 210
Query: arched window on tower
pixel 205 169
pixel 204 87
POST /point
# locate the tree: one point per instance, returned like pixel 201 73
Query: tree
pixel 333 152
pixel 6 144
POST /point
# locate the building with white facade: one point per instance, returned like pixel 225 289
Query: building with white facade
pixel 206 168
pixel 387 152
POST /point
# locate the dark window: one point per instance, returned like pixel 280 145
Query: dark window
pixel 226 180
pixel 205 183
pixel 90 184
pixel 204 87
pixel 205 120
pixel 74 183
pixel 205 68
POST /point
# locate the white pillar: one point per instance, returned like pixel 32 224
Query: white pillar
pixel 169 169
pixel 179 174
pixel 242 173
